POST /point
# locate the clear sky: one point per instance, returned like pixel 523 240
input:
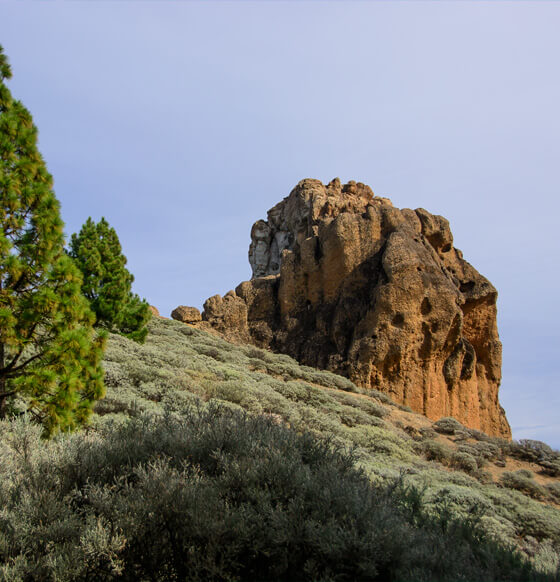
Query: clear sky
pixel 184 122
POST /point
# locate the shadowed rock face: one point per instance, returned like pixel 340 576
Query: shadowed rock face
pixel 344 281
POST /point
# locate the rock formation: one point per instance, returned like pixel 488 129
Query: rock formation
pixel 344 281
pixel 186 314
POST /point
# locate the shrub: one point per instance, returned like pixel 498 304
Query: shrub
pixel 256 353
pixel 428 433
pixel 483 476
pixel 522 481
pixel 447 425
pixel 435 451
pixel 365 404
pixel 487 450
pixel 482 436
pixel 553 490
pixel 381 396
pixel 550 468
pixel 104 467
pixel 461 435
pixel 464 462
pixel 536 452
pixel 404 408
pixel 474 451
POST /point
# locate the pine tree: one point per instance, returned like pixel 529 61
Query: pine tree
pixel 97 252
pixel 50 355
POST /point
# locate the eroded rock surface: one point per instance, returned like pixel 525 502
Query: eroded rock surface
pixel 344 281
pixel 186 314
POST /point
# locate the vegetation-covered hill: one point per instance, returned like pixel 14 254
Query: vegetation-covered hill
pixel 213 461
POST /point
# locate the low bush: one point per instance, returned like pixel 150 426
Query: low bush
pixel 487 450
pixel 366 405
pixel 381 396
pixel 526 473
pixel 404 408
pixel 523 481
pixel 428 433
pixel 553 490
pixel 473 450
pixel 550 467
pixel 434 451
pixel 256 353
pixel 463 461
pixel 538 452
pixel 447 425
pixel 482 476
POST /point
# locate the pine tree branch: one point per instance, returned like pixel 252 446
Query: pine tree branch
pixel 10 373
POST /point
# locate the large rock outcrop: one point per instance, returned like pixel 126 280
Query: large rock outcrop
pixel 344 281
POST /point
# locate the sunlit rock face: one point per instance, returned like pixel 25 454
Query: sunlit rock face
pixel 344 281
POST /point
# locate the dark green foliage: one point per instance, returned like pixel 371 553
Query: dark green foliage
pixel 219 495
pixel 50 358
pixel 97 252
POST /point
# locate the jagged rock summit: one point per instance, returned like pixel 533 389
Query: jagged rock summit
pixel 342 280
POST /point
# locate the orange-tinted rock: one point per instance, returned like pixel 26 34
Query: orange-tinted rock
pixel 228 315
pixel 186 314
pixel 344 281
pixel 155 311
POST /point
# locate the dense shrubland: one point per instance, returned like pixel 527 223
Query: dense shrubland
pixel 215 494
pixel 211 461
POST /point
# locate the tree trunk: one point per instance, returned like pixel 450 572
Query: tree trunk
pixel 3 395
pixel 2 404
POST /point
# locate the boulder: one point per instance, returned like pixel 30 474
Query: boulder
pixel 186 314
pixel 228 315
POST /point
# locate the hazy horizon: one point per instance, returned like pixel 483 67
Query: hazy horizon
pixel 183 123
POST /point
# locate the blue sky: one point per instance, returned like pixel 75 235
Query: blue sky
pixel 184 122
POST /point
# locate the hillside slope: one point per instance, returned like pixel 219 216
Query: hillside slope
pixel 180 364
pixel 76 507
